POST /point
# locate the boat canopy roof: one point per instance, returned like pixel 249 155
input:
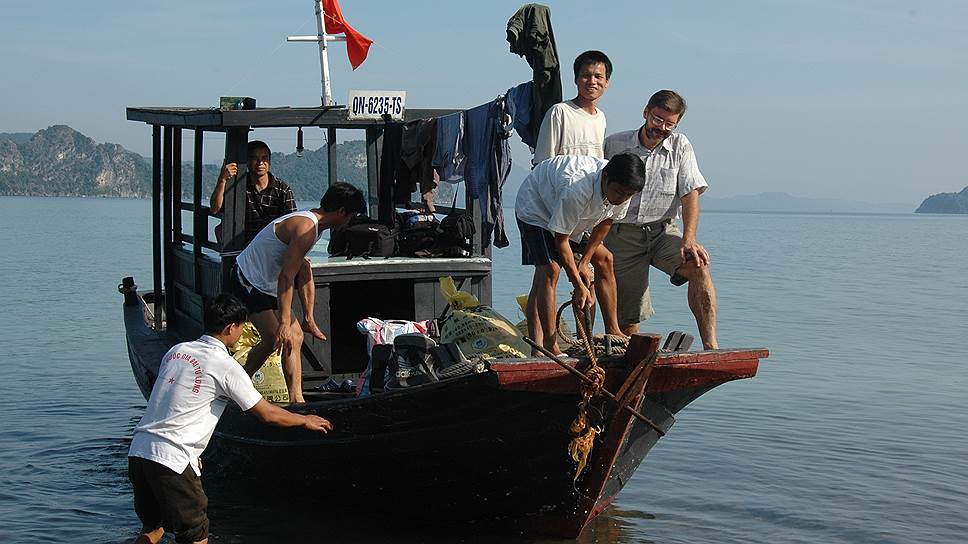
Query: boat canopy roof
pixel 215 119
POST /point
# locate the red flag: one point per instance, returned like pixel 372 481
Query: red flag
pixel 357 45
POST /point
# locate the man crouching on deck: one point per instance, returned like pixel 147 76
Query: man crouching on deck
pixel 264 272
pixel 195 380
pixel 562 198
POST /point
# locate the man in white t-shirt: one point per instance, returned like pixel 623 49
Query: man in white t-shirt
pixel 577 126
pixel 558 202
pixel 195 381
pixel 264 272
pixel 648 235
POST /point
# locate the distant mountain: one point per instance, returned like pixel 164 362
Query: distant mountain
pixel 945 203
pixel 60 161
pixel 784 202
pixel 17 137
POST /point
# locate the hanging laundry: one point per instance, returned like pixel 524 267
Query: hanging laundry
pixel 415 169
pixel 521 107
pixel 449 152
pixel 389 159
pixel 487 165
pixel 530 34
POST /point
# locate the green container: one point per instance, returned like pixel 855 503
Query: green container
pixel 236 103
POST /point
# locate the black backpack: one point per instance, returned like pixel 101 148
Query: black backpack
pixel 417 360
pixel 363 237
pixel 418 232
pixel 454 235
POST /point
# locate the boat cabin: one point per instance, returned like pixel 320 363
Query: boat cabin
pixel 189 265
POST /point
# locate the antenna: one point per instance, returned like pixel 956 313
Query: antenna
pixel 321 38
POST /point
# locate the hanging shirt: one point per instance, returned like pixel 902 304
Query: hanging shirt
pixel 530 34
pixel 449 152
pixel 415 169
pixel 564 195
pixel 195 381
pixel 521 107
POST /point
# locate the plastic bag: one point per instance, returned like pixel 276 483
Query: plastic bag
pixel 269 379
pixel 478 329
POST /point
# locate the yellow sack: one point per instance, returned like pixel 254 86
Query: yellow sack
pixel 478 329
pixel 269 379
pixel 522 325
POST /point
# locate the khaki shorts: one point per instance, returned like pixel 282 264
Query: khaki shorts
pixel 635 248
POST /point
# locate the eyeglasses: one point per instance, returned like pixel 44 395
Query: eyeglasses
pixel 662 123
pixel 257 160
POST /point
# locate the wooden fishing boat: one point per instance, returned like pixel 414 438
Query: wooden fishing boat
pixel 485 446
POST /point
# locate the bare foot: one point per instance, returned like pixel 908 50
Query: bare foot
pixel 311 328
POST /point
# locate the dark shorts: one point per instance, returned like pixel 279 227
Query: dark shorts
pixel 164 498
pixel 255 300
pixel 538 245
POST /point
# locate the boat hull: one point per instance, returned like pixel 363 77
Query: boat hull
pixel 490 446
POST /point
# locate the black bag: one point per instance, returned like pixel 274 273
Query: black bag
pixel 418 232
pixel 363 237
pixel 418 360
pixel 410 364
pixel 454 235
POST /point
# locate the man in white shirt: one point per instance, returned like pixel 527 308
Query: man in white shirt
pixel 647 235
pixel 195 381
pixel 561 199
pixel 577 126
pixel 264 272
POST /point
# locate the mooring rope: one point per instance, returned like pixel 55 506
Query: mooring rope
pixel 580 447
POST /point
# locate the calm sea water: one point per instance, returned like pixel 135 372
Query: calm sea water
pixel 853 431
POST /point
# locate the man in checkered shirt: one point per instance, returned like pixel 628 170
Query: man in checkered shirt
pixel 266 196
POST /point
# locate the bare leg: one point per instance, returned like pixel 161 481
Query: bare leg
pixel 702 302
pixel 531 314
pixel 306 289
pixel 267 323
pixel 606 289
pixel 151 538
pixel 292 364
pixel 546 280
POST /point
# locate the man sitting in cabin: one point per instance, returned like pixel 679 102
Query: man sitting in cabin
pixel 264 272
pixel 266 196
pixel 195 381
pixel 561 199
pixel 648 235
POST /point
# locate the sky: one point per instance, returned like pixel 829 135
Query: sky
pixel 861 100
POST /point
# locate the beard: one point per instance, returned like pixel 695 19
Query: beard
pixel 657 134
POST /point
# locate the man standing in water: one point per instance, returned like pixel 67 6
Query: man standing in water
pixel 195 381
pixel 647 235
pixel 264 272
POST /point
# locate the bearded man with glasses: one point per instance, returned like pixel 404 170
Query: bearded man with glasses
pixel 648 234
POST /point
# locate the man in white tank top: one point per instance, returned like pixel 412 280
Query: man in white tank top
pixel 264 273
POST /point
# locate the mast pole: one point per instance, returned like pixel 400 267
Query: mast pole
pixel 321 36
